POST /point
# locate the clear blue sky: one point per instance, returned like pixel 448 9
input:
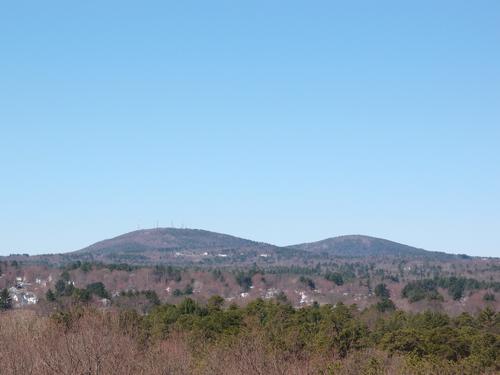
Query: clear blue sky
pixel 277 121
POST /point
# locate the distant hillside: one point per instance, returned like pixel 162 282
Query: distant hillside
pixel 188 247
pixel 177 246
pixel 365 246
pixel 170 238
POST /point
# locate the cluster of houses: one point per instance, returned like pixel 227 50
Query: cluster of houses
pixel 20 295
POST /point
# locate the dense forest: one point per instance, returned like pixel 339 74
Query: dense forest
pixel 264 337
pixel 395 316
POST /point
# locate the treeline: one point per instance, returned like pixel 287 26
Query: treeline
pixel 66 288
pixel 65 291
pixel 335 331
pixel 89 266
pixel 456 286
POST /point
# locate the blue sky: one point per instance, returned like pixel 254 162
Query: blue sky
pixel 282 122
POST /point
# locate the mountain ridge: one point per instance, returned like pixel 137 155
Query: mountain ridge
pixel 186 246
pixel 175 238
pixel 363 245
pixel 164 239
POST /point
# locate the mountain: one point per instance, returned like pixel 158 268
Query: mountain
pixel 170 238
pixel 188 247
pixel 364 246
pixel 177 246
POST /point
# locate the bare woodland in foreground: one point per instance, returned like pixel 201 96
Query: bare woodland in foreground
pixel 262 338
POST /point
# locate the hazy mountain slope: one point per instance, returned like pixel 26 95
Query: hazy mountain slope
pixel 170 238
pixel 362 246
pixel 176 246
pixel 185 247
